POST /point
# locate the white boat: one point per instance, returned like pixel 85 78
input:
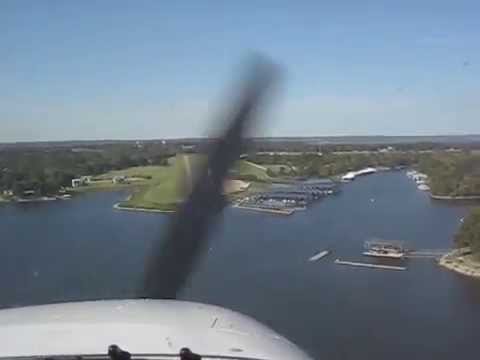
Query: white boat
pixel 419 177
pixel 366 171
pixel 348 176
pixel 411 173
pixel 424 187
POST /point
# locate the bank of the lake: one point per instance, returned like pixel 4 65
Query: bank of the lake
pixel 454 198
pixel 461 261
pixel 118 206
pixel 257 264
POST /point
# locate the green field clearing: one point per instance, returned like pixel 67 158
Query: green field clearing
pixel 159 192
pixel 245 169
pixel 161 187
pixel 138 171
pixel 242 169
pixel 279 169
pixel 163 191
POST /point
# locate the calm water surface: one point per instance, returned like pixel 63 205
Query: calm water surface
pixel 257 264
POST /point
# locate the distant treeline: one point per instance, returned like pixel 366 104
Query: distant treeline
pixel 301 146
pixel 46 167
pixel 282 143
pixel 331 164
pixel 46 170
pixel 451 173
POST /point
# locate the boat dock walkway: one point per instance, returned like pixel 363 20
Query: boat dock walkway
pixel 426 253
pixel 286 211
pixel 320 255
pixel 367 265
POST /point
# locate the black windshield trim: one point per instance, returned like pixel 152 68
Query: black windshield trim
pixel 137 356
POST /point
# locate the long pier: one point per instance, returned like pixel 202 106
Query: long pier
pixel 426 253
pixel 289 211
pixel 320 255
pixel 367 265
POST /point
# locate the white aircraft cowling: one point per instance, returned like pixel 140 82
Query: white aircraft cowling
pixel 139 327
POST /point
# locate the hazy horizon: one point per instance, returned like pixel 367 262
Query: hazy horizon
pixel 151 70
pixel 252 137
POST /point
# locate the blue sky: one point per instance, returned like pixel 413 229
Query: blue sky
pixel 155 69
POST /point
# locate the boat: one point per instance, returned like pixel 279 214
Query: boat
pixel 423 187
pixel 350 176
pixel 410 173
pixel 384 248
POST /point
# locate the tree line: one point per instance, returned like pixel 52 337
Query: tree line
pixel 46 171
pixel 331 164
pixel 469 232
pixel 452 174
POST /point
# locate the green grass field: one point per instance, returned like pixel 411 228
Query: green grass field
pixel 138 171
pixel 159 192
pixel 162 187
pixel 246 168
pixel 140 175
pixel 279 169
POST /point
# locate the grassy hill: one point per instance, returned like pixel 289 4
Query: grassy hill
pixel 159 192
pixel 250 171
pixel 162 187
pixel 278 170
pixel 134 172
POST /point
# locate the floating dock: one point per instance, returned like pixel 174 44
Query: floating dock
pixel 367 265
pixel 384 248
pixel 320 255
pixel 286 211
pixel 435 253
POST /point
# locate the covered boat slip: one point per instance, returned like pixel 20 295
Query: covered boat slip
pixel 384 248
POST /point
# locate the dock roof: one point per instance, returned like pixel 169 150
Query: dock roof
pixel 382 242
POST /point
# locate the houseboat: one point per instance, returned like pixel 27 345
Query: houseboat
pixel 384 248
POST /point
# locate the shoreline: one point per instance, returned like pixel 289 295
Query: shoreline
pixel 455 261
pixel 117 206
pixel 34 200
pixel 447 197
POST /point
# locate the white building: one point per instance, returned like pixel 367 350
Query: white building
pixel 119 179
pixel 81 181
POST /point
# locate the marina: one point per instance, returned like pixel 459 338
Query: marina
pixel 420 179
pixel 287 198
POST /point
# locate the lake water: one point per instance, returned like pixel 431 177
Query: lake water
pixel 258 264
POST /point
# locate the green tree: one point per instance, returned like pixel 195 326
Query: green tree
pixel 469 232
